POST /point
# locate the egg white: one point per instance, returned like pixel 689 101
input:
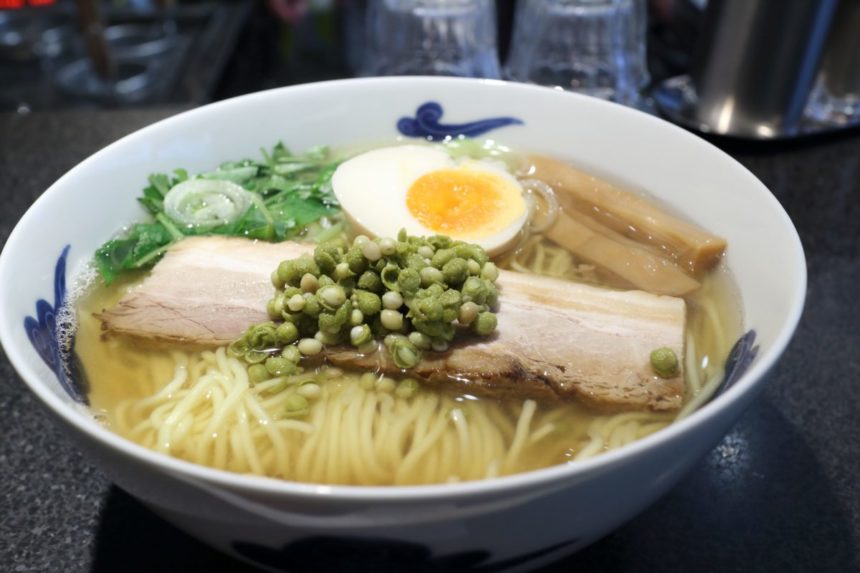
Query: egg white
pixel 372 189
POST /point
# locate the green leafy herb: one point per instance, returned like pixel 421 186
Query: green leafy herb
pixel 141 246
pixel 291 192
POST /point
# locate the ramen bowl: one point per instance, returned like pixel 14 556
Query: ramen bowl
pixel 480 525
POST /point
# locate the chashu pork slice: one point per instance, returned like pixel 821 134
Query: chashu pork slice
pixel 205 291
pixel 555 339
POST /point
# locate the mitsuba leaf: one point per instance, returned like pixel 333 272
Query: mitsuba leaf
pixel 129 252
pixel 160 182
pixel 297 211
pixel 294 191
pixel 239 174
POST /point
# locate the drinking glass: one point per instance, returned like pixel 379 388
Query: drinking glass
pixel 596 47
pixel 431 37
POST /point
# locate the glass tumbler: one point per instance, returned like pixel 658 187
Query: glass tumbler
pixel 431 37
pixel 595 47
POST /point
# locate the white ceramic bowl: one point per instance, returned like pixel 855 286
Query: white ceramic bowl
pixel 484 523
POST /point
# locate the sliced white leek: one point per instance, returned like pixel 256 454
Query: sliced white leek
pixel 206 203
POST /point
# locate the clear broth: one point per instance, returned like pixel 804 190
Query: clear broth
pixel 446 436
pixel 121 371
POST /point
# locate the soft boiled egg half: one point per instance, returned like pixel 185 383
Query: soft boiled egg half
pixel 427 192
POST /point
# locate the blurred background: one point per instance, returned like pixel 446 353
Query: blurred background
pixel 755 69
pixel 747 69
pixel 194 52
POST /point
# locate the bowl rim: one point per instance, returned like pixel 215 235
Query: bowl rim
pixel 251 484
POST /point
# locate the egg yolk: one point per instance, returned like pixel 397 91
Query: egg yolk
pixel 454 201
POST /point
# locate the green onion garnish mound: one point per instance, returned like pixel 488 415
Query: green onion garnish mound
pixel 413 294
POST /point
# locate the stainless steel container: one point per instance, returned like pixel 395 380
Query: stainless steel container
pixel 836 97
pixel 756 62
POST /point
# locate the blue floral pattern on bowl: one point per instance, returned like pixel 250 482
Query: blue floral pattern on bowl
pixel 740 358
pixel 426 124
pixel 42 331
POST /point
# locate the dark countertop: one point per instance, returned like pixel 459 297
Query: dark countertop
pixel 780 493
